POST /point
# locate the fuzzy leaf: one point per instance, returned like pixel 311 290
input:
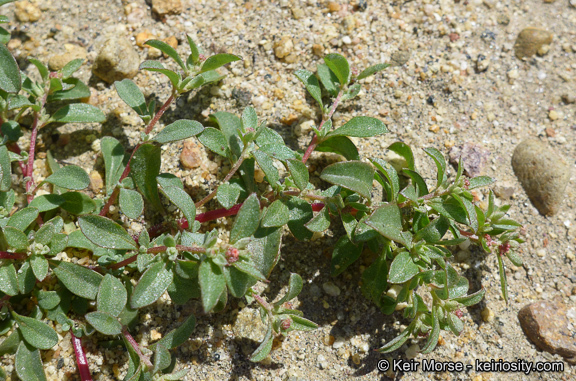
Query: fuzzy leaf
pixel 104 323
pixel 212 284
pixel 387 221
pixel 300 214
pixel 276 215
pixel 299 173
pixel 354 175
pixel 311 83
pixel 340 145
pixel 372 70
pixel 36 333
pixel 28 363
pixel 345 253
pixel 168 50
pixel 78 279
pixel 217 60
pixel 227 195
pixel 434 334
pixel 8 279
pixel 278 151
pixel 39 266
pixel 328 79
pixel 78 113
pixel 145 166
pixel 23 218
pixel 480 181
pixel 106 233
pixel 156 66
pixel 71 67
pixel 402 268
pixel 131 94
pixel 264 249
pixel 405 151
pixel 194 51
pixel 434 231
pixel 391 175
pixel 247 220
pixel 47 202
pixel 294 287
pixel 177 336
pixel 237 281
pixel 440 165
pixel 339 65
pixel 113 154
pixel 182 200
pixel 112 296
pixel 360 126
pixel 9 72
pixel 77 203
pixel 320 222
pixel 249 119
pixel 179 130
pixel 131 203
pixel 264 348
pixel 26 278
pixel 5 169
pixel 69 177
pixel 267 165
pixel 215 141
pixel 151 285
pixel 15 238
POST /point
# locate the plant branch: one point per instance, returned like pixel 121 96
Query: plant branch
pixel 7 255
pixel 81 360
pixel 145 359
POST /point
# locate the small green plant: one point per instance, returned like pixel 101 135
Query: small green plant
pixel 408 232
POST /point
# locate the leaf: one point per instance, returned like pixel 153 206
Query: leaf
pixel 145 166
pixel 104 323
pixel 26 278
pixel 168 50
pixel 8 279
pixel 77 203
pixel 162 358
pixel 480 181
pixel 218 60
pixel 71 67
pixel 106 233
pixel 352 91
pixel 434 231
pixel 438 158
pixel 471 299
pixel 177 336
pixel 112 296
pixel 47 202
pixel 397 342
pixel 113 154
pixel 470 211
pixel 514 258
pixel 311 83
pixel 39 266
pixel 237 281
pixel 36 333
pixel 230 125
pixel 182 200
pixel 375 279
pixel 247 220
pixel 264 249
pixel 278 151
pixel 179 130
pixel 212 284
pixel 156 66
pixel 12 130
pixel 301 324
pixel 11 343
pixel 328 79
pixel 42 69
pixel 455 324
pixel 405 151
pixel 5 169
pixel 131 203
pixel 402 268
pixel 23 218
pixel 130 93
pixel 420 187
pixel 15 238
pixel 153 283
pixel 354 175
pixel 78 279
pixel 434 334
pixel 276 215
pixel 299 173
pixel 391 175
pixel 300 214
pixel 69 177
pixel 215 141
pixel 227 195
pixel 340 145
pixel 339 66
pixel 503 280
pixel 28 363
pixel 320 222
pixel 452 209
pixel 265 347
pixel 78 90
pixel 249 119
pixel 345 253
pixel 294 287
pixel 267 165
pixel 194 51
pixel 10 80
pixel 371 70
pixel 360 126
pixel 78 113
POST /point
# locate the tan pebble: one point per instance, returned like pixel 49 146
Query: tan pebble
pixel 441 341
pixel 172 41
pixel 329 340
pixel 434 128
pixel 58 61
pixel 544 49
pixel 293 57
pixel 553 115
pixel 259 175
pixel 96 182
pixel 191 156
pixel 116 370
pixel 474 115
pixel 283 47
pixel 530 40
pixel 290 119
pixel 297 13
pixel 334 6
pixel 487 314
pixel 142 37
pixel 550 132
pixel 155 335
pixel 356 359
pixel 278 93
pixel 318 50
pixel 27 12
pixel 449 143
pixel 167 7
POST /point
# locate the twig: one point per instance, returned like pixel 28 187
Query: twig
pixel 81 360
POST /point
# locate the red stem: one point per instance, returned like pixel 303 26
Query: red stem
pixel 81 360
pixel 136 347
pixel 30 165
pixel 7 255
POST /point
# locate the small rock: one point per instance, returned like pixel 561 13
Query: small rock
pixel 530 40
pixel 400 57
pixel 96 182
pixel 191 156
pixel 503 19
pixel 283 47
pixel 544 49
pixel 331 289
pixel 513 74
pixel 298 13
pixel 242 97
pixel 550 132
pixel 117 60
pixel 542 173
pixel 322 363
pixel 334 6
pixel 26 11
pixel 553 115
pixel 482 63
pixel 167 7
pixel 73 52
pixel 546 325
pixel 504 191
pixel 568 98
pixel 487 314
pixel 142 37
pixel 318 50
pixel 474 158
pixel 248 325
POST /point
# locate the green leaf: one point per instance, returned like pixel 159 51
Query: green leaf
pixel 217 60
pixel 402 268
pixel 130 93
pixel 360 126
pixel 471 299
pixel 104 323
pixel 455 324
pixel 345 253
pixel 352 91
pixel 354 175
pixel 39 266
pixel 113 154
pixel 265 347
pixel 480 181
pixel 397 342
pixel 249 119
pixel 69 177
pixel 339 65
pixel 177 336
pixel 514 258
pixel 328 79
pixel 77 203
pixel 264 249
pixel 16 238
pixel 212 284
pixel 237 281
pixel 311 83
pixel 294 287
pixel 301 324
pixel 77 90
pixel 247 220
pixel 340 145
pixel 434 231
pixel 28 363
pixel 227 195
pixel 36 333
pixel 440 165
pixel 182 200
pixel 420 187
pixel 104 232
pixel 156 66
pixel 23 218
pixel 47 202
pixel 278 151
pixel 391 175
pixel 215 141
pixel 267 165
pixel 131 203
pixel 503 280
pixel 112 296
pixel 194 51
pixel 78 279
pixel 300 214
pixel 320 222
pixel 145 167
pixel 78 113
pixel 71 67
pixel 5 169
pixel 405 151
pixel 11 343
pixel 179 130
pixel 434 334
pixel 371 70
pixel 26 278
pixel 12 130
pixel 18 101
pixel 48 299
pixel 276 215
pixel 470 211
pixel 230 125
pixel 375 279
pixel 42 69
pixel 8 279
pixel 9 72
pixel 151 285
pixel 299 173
pixel 162 358
pixel 168 50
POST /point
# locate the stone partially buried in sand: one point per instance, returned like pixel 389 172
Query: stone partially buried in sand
pixel 542 173
pixel 530 40
pixel 116 60
pixel 546 325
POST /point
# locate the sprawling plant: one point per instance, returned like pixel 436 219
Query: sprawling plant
pixel 407 232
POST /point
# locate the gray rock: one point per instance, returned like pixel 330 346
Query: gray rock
pixel 331 289
pixel 400 57
pixel 116 60
pixel 474 158
pixel 249 325
pixel 167 7
pixel 542 173
pixel 546 325
pixel 530 40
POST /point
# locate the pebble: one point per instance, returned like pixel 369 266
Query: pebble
pixel 546 325
pixel 322 363
pixel 248 325
pixel 318 50
pixel 400 57
pixel 542 173
pixel 26 11
pixel 569 98
pixel 73 52
pixel 96 182
pixel 553 115
pixel 482 63
pixel 412 351
pixel 334 6
pixel 283 47
pixel 487 315
pixel 504 191
pixel 474 158
pixel 167 7
pixel 331 289
pixel 191 156
pixel 530 40
pixel 116 60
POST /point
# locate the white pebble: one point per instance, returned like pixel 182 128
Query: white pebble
pixel 347 40
pixel 331 289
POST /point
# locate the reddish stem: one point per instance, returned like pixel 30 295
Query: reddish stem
pixel 317 206
pixel 7 255
pixel 81 360
pixel 136 347
pixel 30 165
pixel 155 250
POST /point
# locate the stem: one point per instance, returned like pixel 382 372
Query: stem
pixel 126 172
pixel 155 250
pixel 7 255
pixel 325 118
pixel 81 360
pixel 32 151
pixel 134 344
